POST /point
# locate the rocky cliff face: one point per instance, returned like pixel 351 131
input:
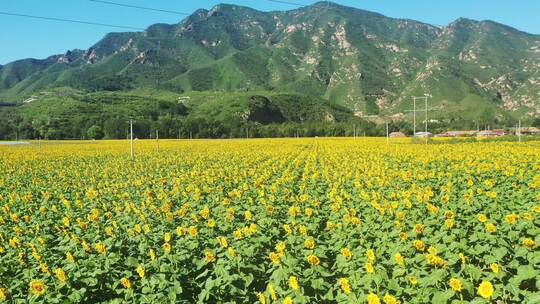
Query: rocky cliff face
pixel 363 60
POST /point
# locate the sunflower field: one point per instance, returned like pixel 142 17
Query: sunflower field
pixel 270 221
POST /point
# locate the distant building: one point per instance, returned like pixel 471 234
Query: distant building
pixel 423 134
pixel 529 131
pixel 397 135
pixel 457 133
pixel 491 133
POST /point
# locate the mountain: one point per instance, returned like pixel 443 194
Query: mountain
pixel 355 60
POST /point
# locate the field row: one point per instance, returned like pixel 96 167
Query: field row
pixel 270 221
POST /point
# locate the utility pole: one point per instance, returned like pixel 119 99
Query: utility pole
pixel 158 74
pixel 425 110
pixel 414 116
pixel 414 111
pixel 157 140
pixel 354 130
pixel 519 130
pixel 387 132
pixel 131 139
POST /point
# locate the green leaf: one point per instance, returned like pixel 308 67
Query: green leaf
pixel 435 277
pixel 526 272
pixel 473 271
pixel 131 261
pixel 533 299
pixel 499 253
pixel 393 285
pixel 317 284
pixel 442 297
pixel 172 295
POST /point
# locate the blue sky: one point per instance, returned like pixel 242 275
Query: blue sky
pixel 23 38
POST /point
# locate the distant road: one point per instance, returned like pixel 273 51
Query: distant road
pixel 13 143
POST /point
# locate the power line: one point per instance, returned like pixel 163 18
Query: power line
pixel 137 7
pixel 287 2
pixel 325 7
pixel 70 20
pixel 425 110
pixel 141 7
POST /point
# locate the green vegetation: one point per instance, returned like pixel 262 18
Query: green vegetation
pixel 72 114
pixel 294 68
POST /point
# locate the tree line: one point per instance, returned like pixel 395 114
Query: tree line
pixel 13 126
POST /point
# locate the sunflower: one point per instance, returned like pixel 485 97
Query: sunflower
pixel 345 285
pixel 485 290
pixel 167 247
pixel 313 260
pixel 280 248
pixel 60 274
pixel 293 282
pixel 400 260
pixel 275 257
pixel 37 287
pixel 100 248
pixel 529 243
pixel 491 228
pixel 370 254
pixel 209 256
pixel 388 299
pixel 419 228
pixel 455 284
pixel 494 267
pixel 346 253
pixel 419 245
pixel 140 271
pixel 272 292
pixel 373 299
pixel 126 283
pixel 369 267
pixel 482 218
pixel 261 298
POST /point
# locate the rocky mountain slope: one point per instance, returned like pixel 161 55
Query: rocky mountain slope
pixel 364 61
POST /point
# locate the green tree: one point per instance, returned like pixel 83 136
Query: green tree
pixel 95 132
pixel 115 128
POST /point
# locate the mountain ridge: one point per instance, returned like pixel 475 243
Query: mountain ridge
pixel 363 61
pixel 314 5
